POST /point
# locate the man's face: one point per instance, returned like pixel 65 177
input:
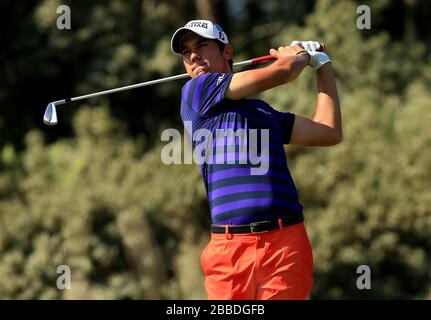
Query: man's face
pixel 201 55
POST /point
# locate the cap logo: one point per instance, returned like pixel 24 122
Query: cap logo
pixel 203 28
pixel 197 24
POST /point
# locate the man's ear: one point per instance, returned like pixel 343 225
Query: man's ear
pixel 228 52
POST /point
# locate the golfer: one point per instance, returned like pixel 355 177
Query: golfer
pixel 259 248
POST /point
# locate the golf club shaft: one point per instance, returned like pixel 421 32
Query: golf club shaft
pixel 132 86
pixel 257 60
pixel 149 83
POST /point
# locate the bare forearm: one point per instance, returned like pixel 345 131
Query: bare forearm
pixel 250 82
pixel 328 105
pixel 294 66
pixel 286 69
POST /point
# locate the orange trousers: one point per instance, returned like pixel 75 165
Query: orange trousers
pixel 272 265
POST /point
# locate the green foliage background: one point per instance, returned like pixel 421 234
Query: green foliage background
pixel 93 194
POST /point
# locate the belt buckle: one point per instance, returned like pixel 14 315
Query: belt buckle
pixel 255 225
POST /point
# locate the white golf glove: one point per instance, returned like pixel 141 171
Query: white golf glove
pixel 317 59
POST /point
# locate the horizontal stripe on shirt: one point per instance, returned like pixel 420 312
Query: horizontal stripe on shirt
pixel 236 194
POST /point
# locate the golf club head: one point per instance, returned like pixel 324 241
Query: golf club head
pixel 50 116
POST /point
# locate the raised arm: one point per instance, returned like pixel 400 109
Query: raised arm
pixel 290 62
pixel 325 129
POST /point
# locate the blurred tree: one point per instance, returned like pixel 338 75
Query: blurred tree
pixel 93 193
pixel 364 209
pixel 117 224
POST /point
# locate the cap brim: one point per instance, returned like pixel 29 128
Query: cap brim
pixel 180 33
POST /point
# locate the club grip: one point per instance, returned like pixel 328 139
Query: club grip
pixel 322 47
pixel 267 58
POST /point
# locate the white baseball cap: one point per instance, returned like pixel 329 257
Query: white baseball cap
pixel 203 28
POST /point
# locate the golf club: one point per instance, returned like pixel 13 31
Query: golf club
pixel 50 116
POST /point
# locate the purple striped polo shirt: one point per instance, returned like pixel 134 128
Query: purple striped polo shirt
pixel 240 189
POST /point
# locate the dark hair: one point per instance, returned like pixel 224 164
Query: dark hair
pixel 221 46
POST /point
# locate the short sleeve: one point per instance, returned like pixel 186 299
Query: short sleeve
pixel 285 120
pixel 205 91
